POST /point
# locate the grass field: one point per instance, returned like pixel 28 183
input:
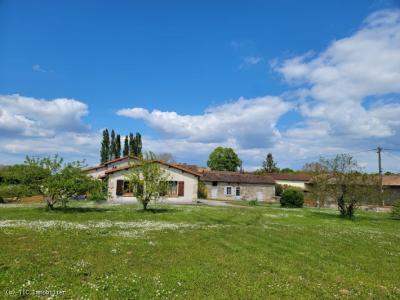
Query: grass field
pixel 192 252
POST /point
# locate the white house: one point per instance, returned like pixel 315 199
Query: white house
pixel 182 182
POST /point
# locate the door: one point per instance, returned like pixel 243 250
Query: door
pixel 260 196
pixel 214 192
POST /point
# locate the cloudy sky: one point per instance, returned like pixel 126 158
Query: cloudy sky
pixel 300 80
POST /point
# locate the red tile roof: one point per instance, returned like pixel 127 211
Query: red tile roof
pixel 158 161
pixel 225 176
pixel 391 180
pixel 291 176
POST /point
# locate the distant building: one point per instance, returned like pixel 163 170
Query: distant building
pixel 240 186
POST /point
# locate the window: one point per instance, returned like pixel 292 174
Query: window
pixel 228 191
pixel 172 188
pixel 128 192
pixel 215 183
pixel 238 191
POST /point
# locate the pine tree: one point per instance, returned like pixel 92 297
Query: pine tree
pixel 118 147
pixel 131 144
pixel 105 147
pixel 126 147
pixel 269 165
pixel 112 145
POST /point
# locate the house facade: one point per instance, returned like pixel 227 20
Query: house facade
pixel 297 180
pixel 182 182
pixel 238 186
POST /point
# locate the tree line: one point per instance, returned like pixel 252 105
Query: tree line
pixel 111 147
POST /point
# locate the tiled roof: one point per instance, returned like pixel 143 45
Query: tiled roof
pixel 158 161
pixel 291 176
pixel 225 176
pixel 391 180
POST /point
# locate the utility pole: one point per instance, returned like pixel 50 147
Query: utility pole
pixel 379 150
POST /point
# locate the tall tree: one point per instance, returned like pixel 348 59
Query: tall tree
pixel 131 144
pixel 118 146
pixel 224 159
pixel 125 152
pixel 269 165
pixel 105 147
pixel 112 145
pixel 138 144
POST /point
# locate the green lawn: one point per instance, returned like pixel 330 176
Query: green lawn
pixel 194 252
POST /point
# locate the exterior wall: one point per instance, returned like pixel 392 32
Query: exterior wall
pixel 190 185
pixel 393 195
pixel 100 171
pixel 297 184
pixel 248 191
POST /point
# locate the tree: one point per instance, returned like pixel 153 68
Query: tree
pixel 138 145
pixel 340 179
pixel 223 159
pixel 269 165
pixel 63 181
pixel 118 146
pixel 166 156
pixel 148 181
pixel 112 146
pixel 313 167
pixel 286 170
pixel 105 147
pixel 131 144
pixel 125 152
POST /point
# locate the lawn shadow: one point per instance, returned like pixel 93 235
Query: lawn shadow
pixel 73 210
pixel 158 210
pixel 359 216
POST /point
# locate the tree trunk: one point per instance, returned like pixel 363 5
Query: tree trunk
pixel 145 205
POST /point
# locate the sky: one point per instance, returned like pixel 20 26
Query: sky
pixel 299 79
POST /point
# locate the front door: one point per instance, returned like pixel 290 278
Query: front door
pixel 214 192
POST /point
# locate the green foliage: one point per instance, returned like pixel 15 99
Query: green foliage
pixel 286 170
pixel 201 190
pixel 253 202
pixel 113 146
pixel 125 152
pixel 269 165
pixel 224 159
pixel 118 146
pixel 98 191
pixel 278 190
pixel 396 210
pixel 292 197
pixel 105 147
pixel 148 181
pixel 340 179
pixel 135 144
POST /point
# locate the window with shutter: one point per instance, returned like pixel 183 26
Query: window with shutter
pixel 181 188
pixel 120 187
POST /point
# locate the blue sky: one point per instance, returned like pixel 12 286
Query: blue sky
pixel 260 76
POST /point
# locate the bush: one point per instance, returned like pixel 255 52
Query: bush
pixel 253 203
pixel 396 210
pixel 292 198
pixel 201 190
pixel 278 190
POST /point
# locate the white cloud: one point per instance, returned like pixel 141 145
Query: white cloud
pixel 339 80
pixel 26 116
pixel 249 61
pixel 248 122
pixel 39 68
pixel 30 126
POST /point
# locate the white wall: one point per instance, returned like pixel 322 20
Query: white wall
pixel 190 184
pixel 298 184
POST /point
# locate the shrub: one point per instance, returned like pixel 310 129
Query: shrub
pixel 278 190
pixel 253 203
pixel 202 190
pixel 396 210
pixel 292 198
